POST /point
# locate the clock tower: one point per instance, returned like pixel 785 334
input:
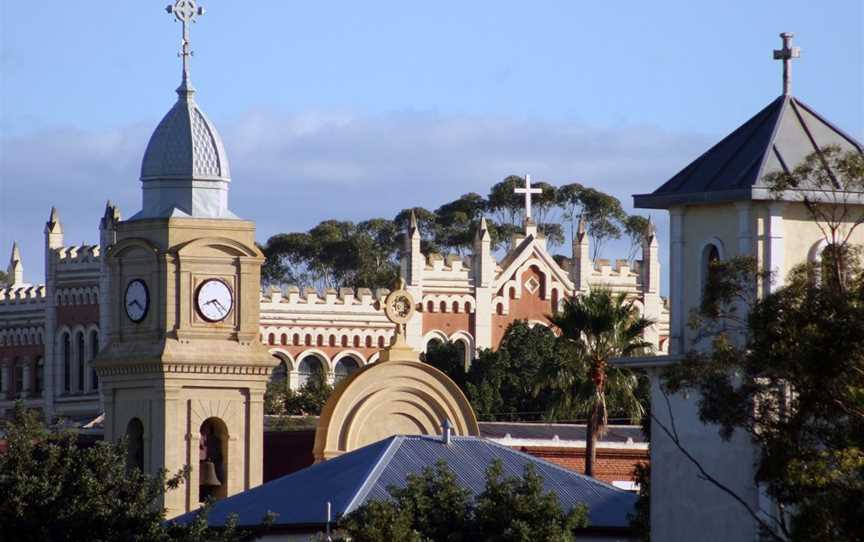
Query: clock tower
pixel 184 372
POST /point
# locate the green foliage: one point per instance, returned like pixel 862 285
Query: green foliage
pixel 433 506
pixel 795 383
pixel 4 279
pixel 637 228
pixel 54 490
pixel 500 384
pixel 517 510
pixel 280 400
pixel 597 327
pixel 337 254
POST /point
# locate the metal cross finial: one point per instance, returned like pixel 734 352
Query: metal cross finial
pixel 528 191
pixel 786 54
pixel 185 11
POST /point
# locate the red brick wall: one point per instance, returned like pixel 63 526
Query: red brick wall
pixel 448 322
pixel 72 315
pixel 528 307
pixel 612 465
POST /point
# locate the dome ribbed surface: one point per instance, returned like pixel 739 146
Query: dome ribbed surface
pixel 185 145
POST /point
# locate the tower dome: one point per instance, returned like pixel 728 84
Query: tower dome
pixel 185 145
pixel 185 170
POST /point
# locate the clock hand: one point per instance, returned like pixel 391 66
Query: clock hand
pixel 135 302
pixel 221 307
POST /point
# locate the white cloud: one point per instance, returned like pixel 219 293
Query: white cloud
pixel 292 170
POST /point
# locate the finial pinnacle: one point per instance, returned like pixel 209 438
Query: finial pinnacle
pixel 186 12
pixel 786 54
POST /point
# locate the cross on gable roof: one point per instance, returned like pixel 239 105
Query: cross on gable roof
pixel 777 138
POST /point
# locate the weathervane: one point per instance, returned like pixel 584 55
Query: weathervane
pixel 185 11
pixel 528 191
pixel 786 54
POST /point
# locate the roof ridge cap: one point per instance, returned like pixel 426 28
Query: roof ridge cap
pixel 374 473
pixel 787 98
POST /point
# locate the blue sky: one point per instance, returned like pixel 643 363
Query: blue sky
pixel 354 110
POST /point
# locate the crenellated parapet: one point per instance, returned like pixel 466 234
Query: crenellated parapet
pixel 23 295
pixel 77 255
pixel 331 297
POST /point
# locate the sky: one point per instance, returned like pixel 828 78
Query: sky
pixel 355 110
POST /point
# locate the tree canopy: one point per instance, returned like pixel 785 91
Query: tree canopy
pixel 54 489
pixel 433 506
pixel 337 254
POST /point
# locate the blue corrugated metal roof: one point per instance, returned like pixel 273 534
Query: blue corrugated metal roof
pixel 355 477
pixel 778 137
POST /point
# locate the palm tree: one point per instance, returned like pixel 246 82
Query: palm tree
pixel 597 327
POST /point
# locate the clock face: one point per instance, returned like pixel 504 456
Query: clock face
pixel 214 300
pixel 136 300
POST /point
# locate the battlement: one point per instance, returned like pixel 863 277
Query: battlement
pixel 329 297
pixel 22 294
pixel 451 262
pixel 622 267
pixel 78 254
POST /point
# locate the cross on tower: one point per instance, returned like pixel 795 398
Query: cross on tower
pixel 528 191
pixel 786 54
pixel 185 11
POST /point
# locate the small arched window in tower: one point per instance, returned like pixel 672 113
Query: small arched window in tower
pixel 271 339
pixel 381 342
pixel 39 376
pixel 296 339
pixel 213 460
pixel 443 306
pixel 94 349
pixel 135 445
pixel 430 306
pixel 710 259
pixel 332 341
pixel 283 340
pixel 368 342
pixel 80 366
pixel 67 363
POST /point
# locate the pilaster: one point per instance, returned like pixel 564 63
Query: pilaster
pixel 775 246
pixel 676 280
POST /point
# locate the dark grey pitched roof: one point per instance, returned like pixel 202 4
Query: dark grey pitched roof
pixel 351 479
pixel 777 138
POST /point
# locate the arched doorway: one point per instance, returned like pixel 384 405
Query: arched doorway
pixel 213 460
pixel 345 366
pixel 135 444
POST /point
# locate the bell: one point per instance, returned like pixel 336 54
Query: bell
pixel 207 474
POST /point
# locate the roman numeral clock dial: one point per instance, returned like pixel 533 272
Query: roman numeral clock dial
pixel 214 300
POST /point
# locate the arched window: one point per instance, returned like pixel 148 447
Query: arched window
pixel 39 376
pixel 380 342
pixel 455 306
pixel 443 306
pixel 213 460
pixel 296 339
pixel 711 256
pixel 67 363
pixel 430 306
pixel 309 367
pixel 344 340
pixel 283 340
pixel 135 444
pixel 94 349
pixel 271 339
pixel 345 367
pixel 280 372
pixel 18 377
pixel 81 358
pixel 368 342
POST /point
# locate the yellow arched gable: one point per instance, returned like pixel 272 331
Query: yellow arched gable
pixel 393 397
